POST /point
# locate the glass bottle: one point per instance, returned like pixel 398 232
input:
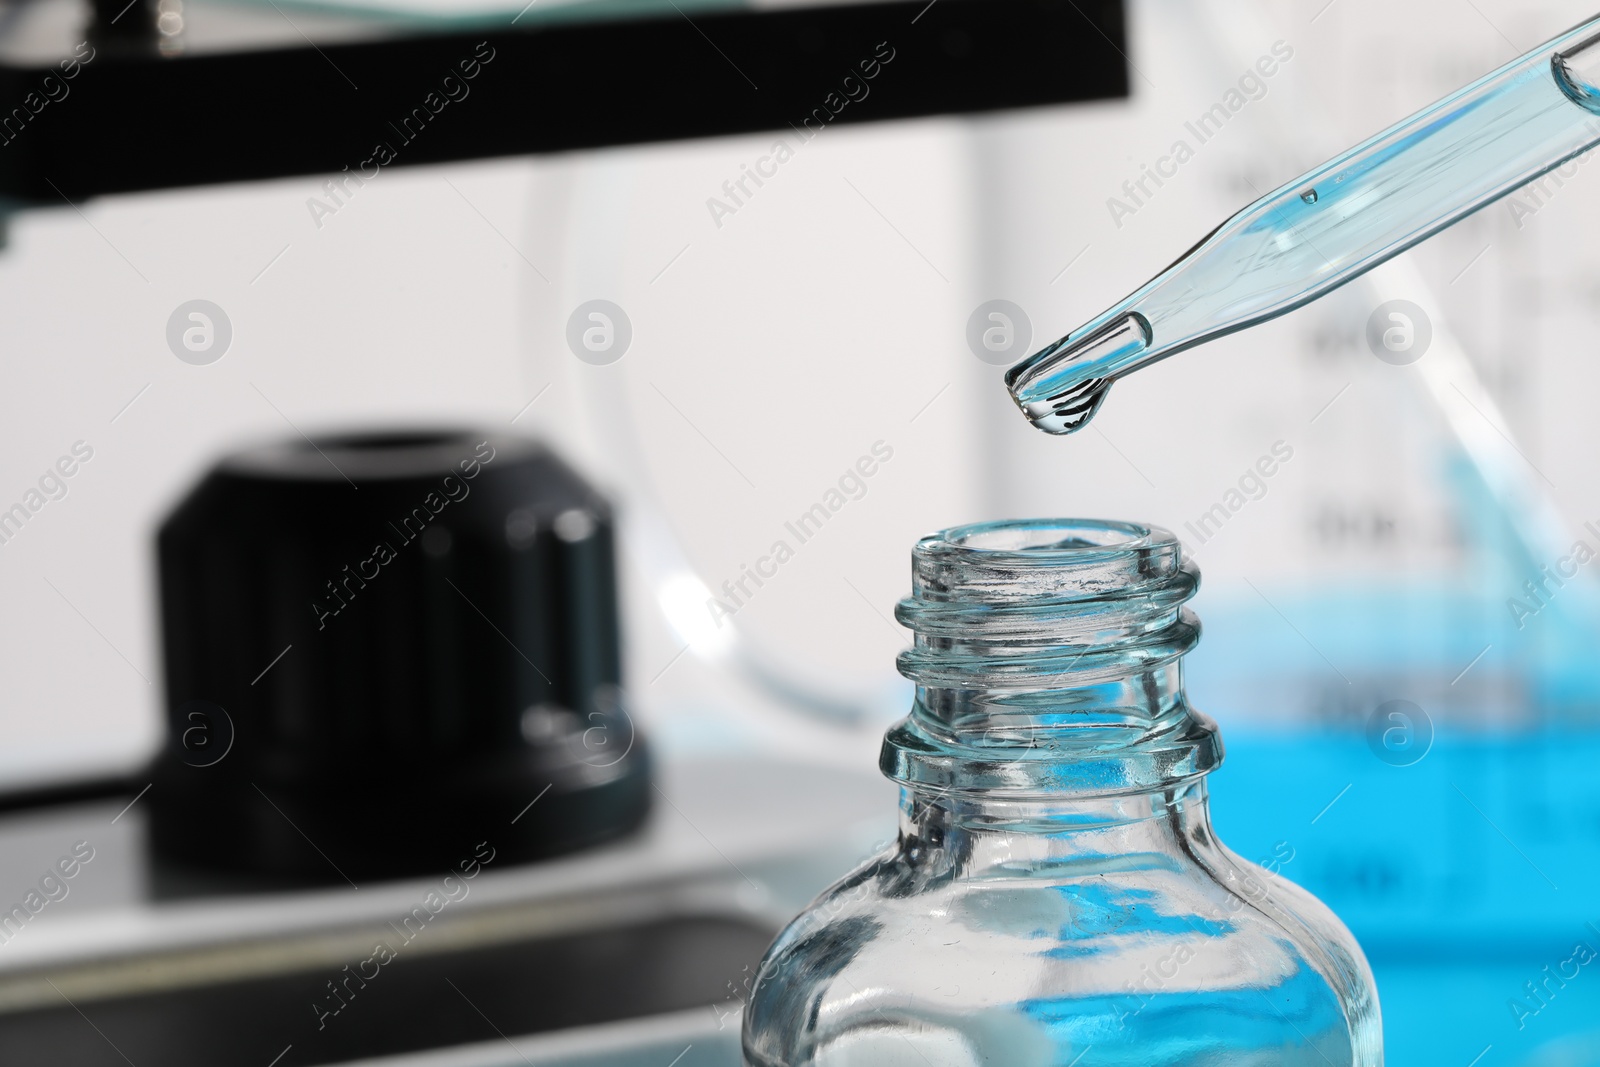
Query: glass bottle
pixel 1056 897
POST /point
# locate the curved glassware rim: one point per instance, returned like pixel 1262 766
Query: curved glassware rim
pixel 1129 536
pixel 653 542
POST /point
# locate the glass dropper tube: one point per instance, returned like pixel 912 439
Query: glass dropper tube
pixel 1334 223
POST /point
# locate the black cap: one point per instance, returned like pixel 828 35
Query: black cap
pixel 381 650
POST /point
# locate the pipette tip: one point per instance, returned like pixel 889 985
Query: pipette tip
pixel 1066 412
pixel 1061 388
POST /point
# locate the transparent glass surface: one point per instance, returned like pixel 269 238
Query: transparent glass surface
pixel 1056 895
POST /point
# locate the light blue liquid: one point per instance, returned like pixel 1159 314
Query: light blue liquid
pixel 1302 1026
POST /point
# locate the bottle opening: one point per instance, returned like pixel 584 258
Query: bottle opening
pixel 1046 537
pixel 1021 560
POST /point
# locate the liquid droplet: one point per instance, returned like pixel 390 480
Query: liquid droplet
pixel 1309 196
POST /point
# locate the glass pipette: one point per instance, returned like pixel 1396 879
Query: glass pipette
pixel 1333 224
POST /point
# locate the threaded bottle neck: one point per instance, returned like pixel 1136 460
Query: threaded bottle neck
pixel 1048 663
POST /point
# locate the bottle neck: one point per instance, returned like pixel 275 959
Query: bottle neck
pixel 996 837
pixel 1048 663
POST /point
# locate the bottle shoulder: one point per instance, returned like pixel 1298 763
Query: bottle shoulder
pixel 1023 966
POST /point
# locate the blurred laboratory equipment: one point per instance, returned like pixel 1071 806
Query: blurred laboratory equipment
pixel 393 639
pixel 1057 888
pixel 597 958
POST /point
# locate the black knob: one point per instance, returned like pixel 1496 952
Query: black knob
pixel 381 650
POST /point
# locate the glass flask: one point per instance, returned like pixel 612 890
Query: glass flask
pixel 1056 896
